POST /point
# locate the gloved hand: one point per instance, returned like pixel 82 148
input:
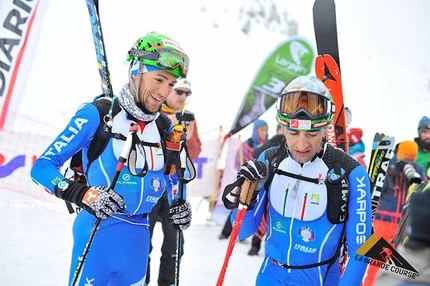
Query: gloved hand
pixel 180 214
pixel 171 157
pixel 252 170
pixel 100 201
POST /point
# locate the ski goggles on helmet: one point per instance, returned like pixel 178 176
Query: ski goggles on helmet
pixel 170 60
pixel 304 104
pixel 304 110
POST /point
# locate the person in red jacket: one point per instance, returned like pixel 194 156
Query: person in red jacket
pixel 356 146
pixel 174 108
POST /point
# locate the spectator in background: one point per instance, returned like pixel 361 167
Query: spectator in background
pixel 259 136
pixel 401 173
pixel 276 140
pixel 174 104
pixel 356 146
pixel 423 141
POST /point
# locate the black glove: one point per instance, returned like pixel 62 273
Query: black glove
pixel 180 214
pixel 171 156
pixel 100 201
pixel 252 170
pixel 171 159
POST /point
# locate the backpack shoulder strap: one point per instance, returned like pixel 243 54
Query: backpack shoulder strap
pixel 104 105
pixel 337 158
pixel 274 156
pixel 339 166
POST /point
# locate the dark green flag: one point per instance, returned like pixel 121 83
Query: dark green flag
pixel 292 58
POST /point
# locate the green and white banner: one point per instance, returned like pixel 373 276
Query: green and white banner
pixel 292 58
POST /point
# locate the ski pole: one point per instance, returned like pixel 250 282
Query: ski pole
pixel 93 10
pixel 178 245
pixel 121 161
pixel 183 158
pixel 244 200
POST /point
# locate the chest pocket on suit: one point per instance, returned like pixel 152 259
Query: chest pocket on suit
pixel 154 156
pixel 308 204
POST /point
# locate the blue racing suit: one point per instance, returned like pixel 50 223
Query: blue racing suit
pixel 122 239
pixel 299 232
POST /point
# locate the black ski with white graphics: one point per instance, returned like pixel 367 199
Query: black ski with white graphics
pixel 327 68
pixel 382 152
pixel 324 14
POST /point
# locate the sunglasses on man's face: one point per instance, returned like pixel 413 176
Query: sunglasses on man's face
pixel 181 92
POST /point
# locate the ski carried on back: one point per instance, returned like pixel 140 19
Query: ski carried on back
pixel 382 152
pixel 327 67
pixel 328 71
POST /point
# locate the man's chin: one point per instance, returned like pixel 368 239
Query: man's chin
pixel 301 158
pixel 152 108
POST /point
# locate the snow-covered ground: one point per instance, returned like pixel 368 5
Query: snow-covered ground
pixel 36 241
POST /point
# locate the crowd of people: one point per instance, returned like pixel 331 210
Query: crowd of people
pixel 307 205
pixel 406 181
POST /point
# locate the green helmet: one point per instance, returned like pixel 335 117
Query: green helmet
pixel 305 104
pixel 160 51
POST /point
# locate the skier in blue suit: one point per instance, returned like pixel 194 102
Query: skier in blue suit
pixel 119 252
pixel 317 196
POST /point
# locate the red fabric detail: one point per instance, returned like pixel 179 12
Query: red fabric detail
pixel 142 125
pixel 354 135
pixel 194 145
